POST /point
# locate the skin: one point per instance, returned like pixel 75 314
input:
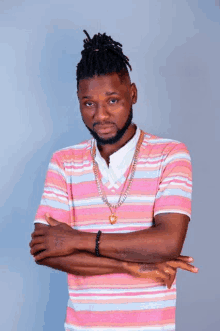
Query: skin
pixel 101 111
pixel 105 105
pixel 87 264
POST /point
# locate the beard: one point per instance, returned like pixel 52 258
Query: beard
pixel 117 137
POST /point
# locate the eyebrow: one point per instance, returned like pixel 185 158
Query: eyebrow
pixel 107 93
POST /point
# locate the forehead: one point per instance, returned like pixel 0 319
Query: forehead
pixel 102 84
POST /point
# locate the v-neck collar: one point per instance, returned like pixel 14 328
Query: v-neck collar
pixel 120 159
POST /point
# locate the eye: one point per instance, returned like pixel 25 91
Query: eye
pixel 88 104
pixel 113 101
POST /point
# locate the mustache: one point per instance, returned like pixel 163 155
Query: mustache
pixel 103 123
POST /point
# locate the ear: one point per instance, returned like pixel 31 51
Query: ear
pixel 133 91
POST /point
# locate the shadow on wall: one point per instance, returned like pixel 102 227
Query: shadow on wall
pixel 41 291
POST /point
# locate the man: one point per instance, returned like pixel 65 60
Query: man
pixel 117 206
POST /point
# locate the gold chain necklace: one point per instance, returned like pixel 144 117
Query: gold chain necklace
pixel 113 218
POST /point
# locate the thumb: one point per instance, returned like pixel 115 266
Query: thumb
pixel 51 220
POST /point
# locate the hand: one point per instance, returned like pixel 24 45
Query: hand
pixel 160 272
pixel 170 268
pixel 58 239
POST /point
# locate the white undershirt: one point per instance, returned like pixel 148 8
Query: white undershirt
pixel 118 162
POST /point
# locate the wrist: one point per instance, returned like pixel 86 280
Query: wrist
pixel 86 241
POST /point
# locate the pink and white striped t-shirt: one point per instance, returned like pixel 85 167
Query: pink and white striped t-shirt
pixel 162 183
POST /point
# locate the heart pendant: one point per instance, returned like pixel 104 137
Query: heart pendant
pixel 113 219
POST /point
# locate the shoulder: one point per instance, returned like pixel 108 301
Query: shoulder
pixel 70 153
pixel 165 147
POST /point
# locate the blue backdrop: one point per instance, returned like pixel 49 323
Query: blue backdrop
pixel 174 49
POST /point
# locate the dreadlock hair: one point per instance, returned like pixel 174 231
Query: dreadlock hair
pixel 101 56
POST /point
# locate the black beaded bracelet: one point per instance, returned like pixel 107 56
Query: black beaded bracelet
pixel 97 243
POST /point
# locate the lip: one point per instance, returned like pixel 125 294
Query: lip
pixel 104 128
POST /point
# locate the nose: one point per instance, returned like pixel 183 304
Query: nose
pixel 101 113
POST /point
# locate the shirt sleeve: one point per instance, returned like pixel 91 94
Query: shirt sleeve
pixel 174 193
pixel 55 194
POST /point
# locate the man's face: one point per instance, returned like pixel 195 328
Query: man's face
pixel 106 106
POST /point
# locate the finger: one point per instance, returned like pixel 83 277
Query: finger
pixel 155 274
pixel 39 262
pixel 51 220
pixel 36 240
pixel 185 258
pixel 162 274
pixel 182 265
pixel 37 248
pixel 42 255
pixel 170 281
pixel 160 281
pixel 169 270
pixel 172 275
pixel 36 233
pixel 163 280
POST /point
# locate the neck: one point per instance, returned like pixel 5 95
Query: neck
pixel 108 149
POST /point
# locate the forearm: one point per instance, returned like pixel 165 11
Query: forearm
pixel 84 264
pixel 147 246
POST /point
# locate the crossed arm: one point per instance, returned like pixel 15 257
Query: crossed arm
pixel 72 251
